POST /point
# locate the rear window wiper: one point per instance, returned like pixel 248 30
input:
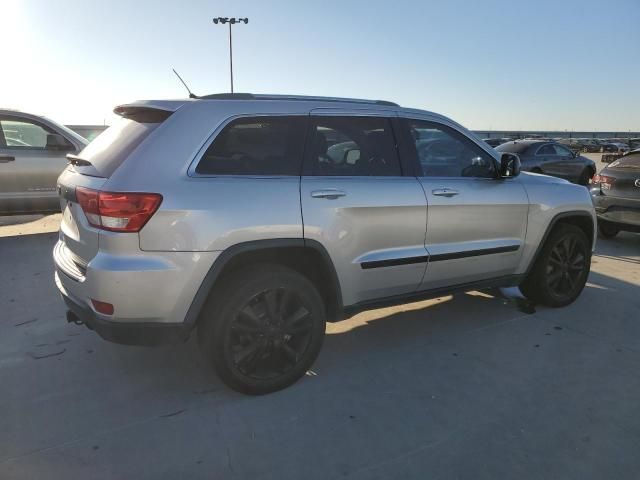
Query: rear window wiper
pixel 77 161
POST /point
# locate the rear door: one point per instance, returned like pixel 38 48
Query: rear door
pixel 476 222
pixel 28 169
pixel 357 203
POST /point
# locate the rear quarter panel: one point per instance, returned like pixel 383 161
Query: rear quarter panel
pixel 207 213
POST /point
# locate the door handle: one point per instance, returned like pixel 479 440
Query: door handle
pixel 7 158
pixel 328 193
pixel 445 192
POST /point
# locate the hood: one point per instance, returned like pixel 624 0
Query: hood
pixel 538 178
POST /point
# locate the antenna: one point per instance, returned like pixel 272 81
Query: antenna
pixel 191 95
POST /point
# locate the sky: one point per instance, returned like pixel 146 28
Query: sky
pixel 490 64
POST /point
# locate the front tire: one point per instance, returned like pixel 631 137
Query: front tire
pixel 561 270
pixel 263 329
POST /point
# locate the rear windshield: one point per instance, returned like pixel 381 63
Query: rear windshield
pixel 512 147
pixel 628 161
pixel 109 149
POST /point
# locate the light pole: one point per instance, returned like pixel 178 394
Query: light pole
pixel 231 21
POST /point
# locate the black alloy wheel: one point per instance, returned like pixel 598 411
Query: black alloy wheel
pixel 263 328
pixel 566 266
pixel 560 270
pixel 269 334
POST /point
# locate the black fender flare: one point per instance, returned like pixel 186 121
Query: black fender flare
pixel 229 253
pixel 552 224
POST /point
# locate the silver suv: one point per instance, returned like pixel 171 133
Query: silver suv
pixel 255 219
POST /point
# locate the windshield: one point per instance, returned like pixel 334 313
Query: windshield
pixel 629 161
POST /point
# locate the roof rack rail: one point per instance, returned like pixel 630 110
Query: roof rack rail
pixel 251 96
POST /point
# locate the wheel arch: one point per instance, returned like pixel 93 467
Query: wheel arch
pixel 306 256
pixel 580 218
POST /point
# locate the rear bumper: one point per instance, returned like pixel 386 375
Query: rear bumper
pixel 126 333
pixel 624 212
pixel 151 292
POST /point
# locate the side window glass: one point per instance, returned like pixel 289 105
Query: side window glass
pixel 442 152
pixel 23 134
pixel 352 146
pixel 546 150
pixel 256 146
pixel 563 152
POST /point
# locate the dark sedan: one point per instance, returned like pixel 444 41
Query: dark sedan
pixel 494 142
pixel 551 158
pixel 615 192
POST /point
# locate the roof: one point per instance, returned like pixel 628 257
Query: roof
pixel 173 105
pixel 308 98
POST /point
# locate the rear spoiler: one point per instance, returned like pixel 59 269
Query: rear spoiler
pixel 77 161
pixel 142 114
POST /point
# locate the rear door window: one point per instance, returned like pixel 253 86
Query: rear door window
pixel 352 146
pixel 256 146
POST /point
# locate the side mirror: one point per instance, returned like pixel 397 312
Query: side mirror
pixel 509 165
pixel 58 142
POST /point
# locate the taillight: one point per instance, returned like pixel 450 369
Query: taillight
pixel 117 211
pixel 605 182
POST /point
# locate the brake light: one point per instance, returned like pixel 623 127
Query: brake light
pixel 605 182
pixel 117 211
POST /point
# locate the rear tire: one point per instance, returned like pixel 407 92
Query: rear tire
pixel 263 329
pixel 607 230
pixel 561 270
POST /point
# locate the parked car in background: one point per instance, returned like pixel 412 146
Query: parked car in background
pixel 551 158
pixel 586 145
pixel 33 153
pixel 633 143
pixel 255 219
pixel 614 147
pixel 615 192
pixel 494 142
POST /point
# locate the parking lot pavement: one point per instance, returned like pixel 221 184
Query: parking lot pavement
pixel 465 386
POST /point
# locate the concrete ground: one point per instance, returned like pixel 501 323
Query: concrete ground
pixel 464 386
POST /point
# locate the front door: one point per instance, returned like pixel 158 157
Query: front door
pixel 357 203
pixel 476 222
pixel 28 170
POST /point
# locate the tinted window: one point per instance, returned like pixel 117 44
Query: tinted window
pixel 352 146
pixel 443 152
pixel 23 134
pixel 546 150
pixel 256 146
pixel 109 149
pixel 562 151
pixel 513 147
